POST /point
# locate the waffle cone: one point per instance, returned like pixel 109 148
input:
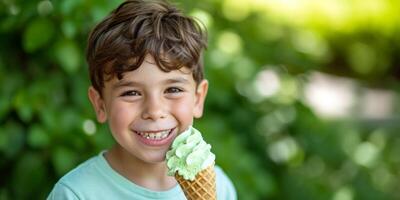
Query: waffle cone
pixel 203 187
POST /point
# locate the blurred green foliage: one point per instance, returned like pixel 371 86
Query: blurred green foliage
pixel 273 145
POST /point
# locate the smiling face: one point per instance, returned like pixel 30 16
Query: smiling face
pixel 148 108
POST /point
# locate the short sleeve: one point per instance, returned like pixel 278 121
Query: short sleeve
pixel 62 192
pixel 225 188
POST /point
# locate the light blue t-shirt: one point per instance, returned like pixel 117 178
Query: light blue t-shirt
pixel 95 179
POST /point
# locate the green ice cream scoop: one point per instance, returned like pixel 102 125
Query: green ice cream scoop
pixel 189 154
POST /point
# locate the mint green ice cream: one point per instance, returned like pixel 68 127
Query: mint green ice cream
pixel 189 154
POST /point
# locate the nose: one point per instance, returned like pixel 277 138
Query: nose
pixel 153 109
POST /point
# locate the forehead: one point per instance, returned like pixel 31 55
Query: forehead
pixel 148 73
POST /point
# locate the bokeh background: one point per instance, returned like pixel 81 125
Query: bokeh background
pixel 304 95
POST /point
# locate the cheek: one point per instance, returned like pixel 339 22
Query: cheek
pixel 183 109
pixel 119 115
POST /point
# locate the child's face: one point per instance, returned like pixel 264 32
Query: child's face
pixel 148 108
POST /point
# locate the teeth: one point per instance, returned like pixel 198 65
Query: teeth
pixel 154 136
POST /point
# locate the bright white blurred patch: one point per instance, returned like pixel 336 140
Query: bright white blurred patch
pixel 377 104
pixel 330 96
pixel 344 193
pixel 267 83
pixel 283 150
pixel 89 127
pixel 366 154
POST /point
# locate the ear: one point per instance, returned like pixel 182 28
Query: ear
pixel 201 93
pixel 98 104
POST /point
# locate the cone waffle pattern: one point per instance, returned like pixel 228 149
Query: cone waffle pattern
pixel 202 188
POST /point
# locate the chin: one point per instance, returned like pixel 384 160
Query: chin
pixel 158 158
pixel 156 161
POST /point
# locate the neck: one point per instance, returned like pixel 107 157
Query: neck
pixel 149 175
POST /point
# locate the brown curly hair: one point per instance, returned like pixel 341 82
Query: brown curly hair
pixel 137 28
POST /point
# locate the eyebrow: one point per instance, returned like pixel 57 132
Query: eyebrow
pixel 176 80
pixel 123 83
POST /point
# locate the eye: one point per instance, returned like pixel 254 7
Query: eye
pixel 130 93
pixel 173 90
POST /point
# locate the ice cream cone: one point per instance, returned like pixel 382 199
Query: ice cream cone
pixel 203 187
pixel 191 161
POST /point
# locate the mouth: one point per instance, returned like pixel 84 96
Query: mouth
pixel 155 135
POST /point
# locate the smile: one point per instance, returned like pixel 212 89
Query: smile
pixel 154 135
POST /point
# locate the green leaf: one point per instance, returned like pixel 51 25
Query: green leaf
pixel 3 140
pixel 7 91
pixel 23 106
pixel 67 7
pixel 4 105
pixel 69 28
pixel 29 175
pixel 38 137
pixel 63 160
pixel 68 55
pixel 4 195
pixel 38 33
pixel 70 120
pixel 14 137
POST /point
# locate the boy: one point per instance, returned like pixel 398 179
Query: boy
pixel 147 84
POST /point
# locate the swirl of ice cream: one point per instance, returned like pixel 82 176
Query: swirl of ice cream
pixel 189 154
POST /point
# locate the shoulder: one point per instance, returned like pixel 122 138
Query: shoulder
pixel 87 171
pixel 225 187
pixel 62 192
pixel 71 185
